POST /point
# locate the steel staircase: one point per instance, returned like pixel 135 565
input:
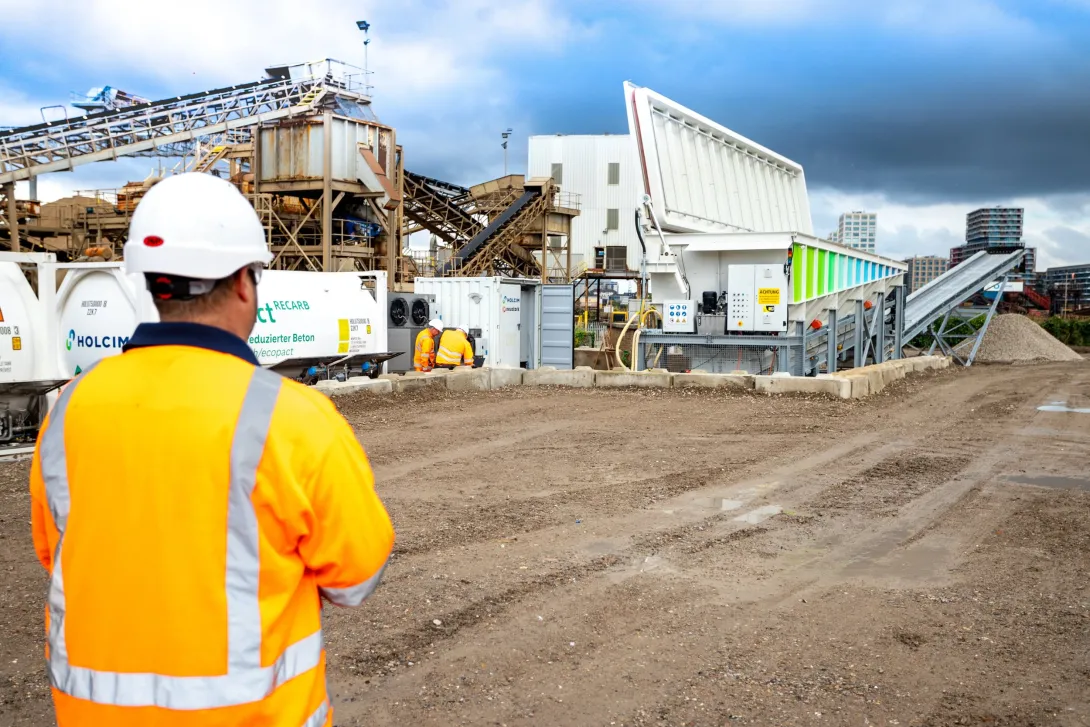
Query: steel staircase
pixel 206 163
pixel 497 248
pixel 1041 301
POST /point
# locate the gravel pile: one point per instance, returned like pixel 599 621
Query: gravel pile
pixel 1013 337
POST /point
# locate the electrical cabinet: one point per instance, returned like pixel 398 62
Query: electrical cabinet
pixel 740 298
pixel 770 313
pixel 679 316
pixel 756 298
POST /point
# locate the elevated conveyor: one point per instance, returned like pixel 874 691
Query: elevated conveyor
pixel 954 287
pixel 924 308
pixel 31 150
pixel 465 254
pixel 439 208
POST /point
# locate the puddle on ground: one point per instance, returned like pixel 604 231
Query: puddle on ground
pixel 759 514
pixel 1061 406
pixel 1055 481
pixel 919 563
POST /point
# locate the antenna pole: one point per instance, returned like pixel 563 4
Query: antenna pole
pixel 365 27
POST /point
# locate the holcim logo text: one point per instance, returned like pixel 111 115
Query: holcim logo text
pixel 79 341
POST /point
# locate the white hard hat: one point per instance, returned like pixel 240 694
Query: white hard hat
pixel 464 330
pixel 197 226
pixel 436 324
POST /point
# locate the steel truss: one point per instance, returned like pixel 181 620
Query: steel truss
pixel 439 208
pixel 51 147
pixel 949 340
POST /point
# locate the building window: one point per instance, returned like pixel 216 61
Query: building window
pixel 558 173
pixel 614 173
pixel 613 219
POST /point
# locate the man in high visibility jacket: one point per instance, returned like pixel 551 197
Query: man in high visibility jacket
pixel 196 550
pixel 424 356
pixel 454 348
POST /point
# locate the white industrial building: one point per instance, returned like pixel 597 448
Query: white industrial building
pixel 603 171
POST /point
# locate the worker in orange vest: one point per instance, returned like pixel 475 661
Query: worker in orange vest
pixel 454 349
pixel 424 357
pixel 196 551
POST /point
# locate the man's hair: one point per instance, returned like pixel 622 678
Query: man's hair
pixel 202 305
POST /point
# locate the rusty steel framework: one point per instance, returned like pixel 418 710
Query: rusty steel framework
pixel 501 227
pixel 350 205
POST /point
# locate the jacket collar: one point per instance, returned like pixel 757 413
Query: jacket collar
pixel 196 335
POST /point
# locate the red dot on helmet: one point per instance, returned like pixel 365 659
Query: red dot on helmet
pixel 153 241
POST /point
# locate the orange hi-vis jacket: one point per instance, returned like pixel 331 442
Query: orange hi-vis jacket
pixel 453 349
pixel 424 357
pixel 188 558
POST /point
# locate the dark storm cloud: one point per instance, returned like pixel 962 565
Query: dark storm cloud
pixel 977 146
pixel 964 126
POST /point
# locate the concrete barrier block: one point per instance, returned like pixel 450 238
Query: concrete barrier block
pixel 639 379
pixel 370 386
pixel 914 365
pixel 860 385
pixel 935 363
pixel 469 380
pixel 831 386
pixel 876 379
pixel 502 378
pixel 581 378
pixel 713 381
pixel 355 386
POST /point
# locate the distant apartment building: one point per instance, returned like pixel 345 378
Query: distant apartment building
pixel 996 229
pixel 1069 286
pixel 922 269
pixel 857 230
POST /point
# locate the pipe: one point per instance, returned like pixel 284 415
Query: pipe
pixel 635 339
pixel 679 272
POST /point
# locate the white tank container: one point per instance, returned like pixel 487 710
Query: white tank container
pixel 22 343
pixel 304 314
pixel 97 309
pixel 300 315
pixel 506 311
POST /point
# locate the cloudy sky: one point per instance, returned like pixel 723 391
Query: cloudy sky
pixel 916 109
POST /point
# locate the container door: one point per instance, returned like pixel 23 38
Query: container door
pixel 510 344
pixel 558 326
pixel 528 325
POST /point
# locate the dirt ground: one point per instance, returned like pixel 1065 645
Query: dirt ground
pixel 677 558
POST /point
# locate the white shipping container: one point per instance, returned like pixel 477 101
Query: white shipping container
pixel 505 311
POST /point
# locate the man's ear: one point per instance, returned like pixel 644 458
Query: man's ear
pixel 244 286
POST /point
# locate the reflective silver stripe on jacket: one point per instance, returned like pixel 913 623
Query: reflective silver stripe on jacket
pixel 354 595
pixel 246 680
pixel 447 356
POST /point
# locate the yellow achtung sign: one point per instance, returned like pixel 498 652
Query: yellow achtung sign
pixel 768 296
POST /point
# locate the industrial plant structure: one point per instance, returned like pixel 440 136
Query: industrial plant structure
pixel 326 177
